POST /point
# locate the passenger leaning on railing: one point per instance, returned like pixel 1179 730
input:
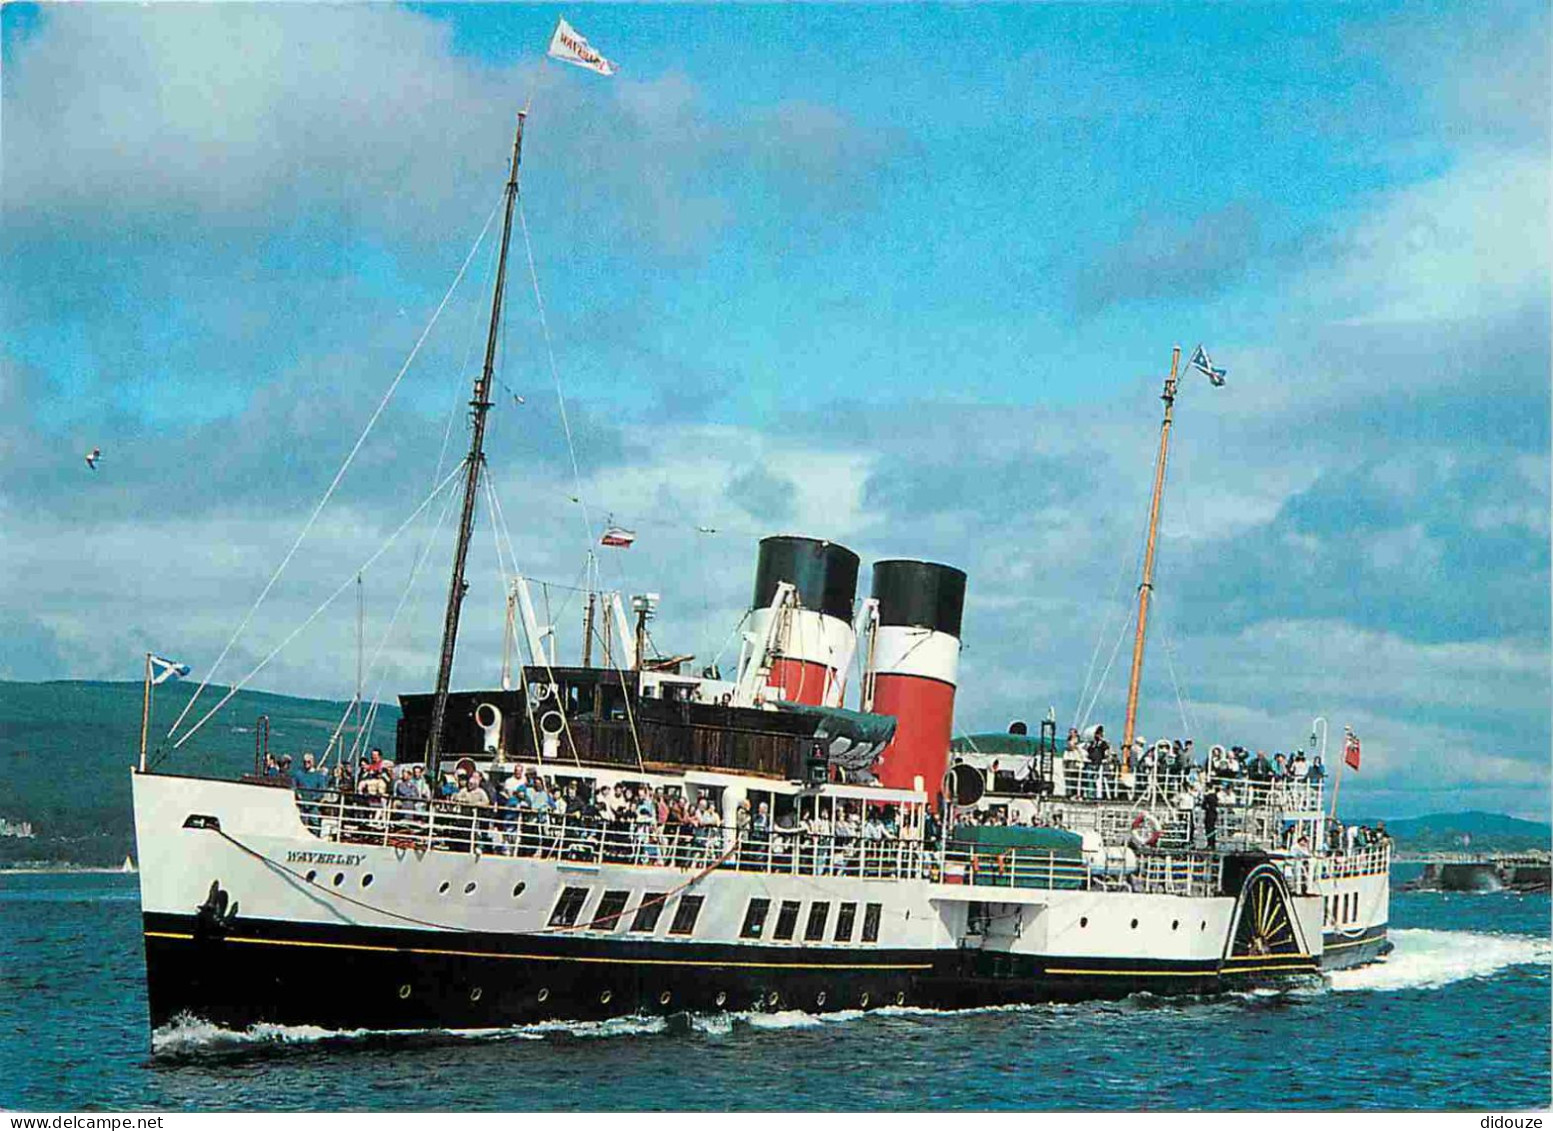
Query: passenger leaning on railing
pixel 310 783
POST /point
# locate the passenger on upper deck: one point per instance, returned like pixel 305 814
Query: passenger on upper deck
pixel 310 783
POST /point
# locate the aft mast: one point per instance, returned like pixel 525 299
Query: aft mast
pixel 1146 587
pixel 475 461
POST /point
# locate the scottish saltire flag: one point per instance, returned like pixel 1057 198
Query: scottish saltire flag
pixel 569 47
pixel 1204 365
pixel 163 670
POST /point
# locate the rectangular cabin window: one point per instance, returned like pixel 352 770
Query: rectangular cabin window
pixel 568 907
pixel 819 914
pixel 871 915
pixel 646 919
pixel 685 914
pixel 755 919
pixel 787 921
pixel 846 914
pixel 611 905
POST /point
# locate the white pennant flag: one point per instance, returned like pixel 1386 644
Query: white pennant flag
pixel 569 47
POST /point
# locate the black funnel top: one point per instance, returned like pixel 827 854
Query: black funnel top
pixel 920 595
pixel 824 572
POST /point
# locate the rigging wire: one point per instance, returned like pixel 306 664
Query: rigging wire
pixel 377 691
pixel 238 686
pixel 555 376
pixel 1100 686
pixel 334 484
pixel 1188 728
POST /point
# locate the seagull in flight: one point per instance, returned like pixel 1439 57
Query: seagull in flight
pixel 92 457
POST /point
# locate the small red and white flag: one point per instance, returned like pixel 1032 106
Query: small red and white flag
pixel 569 47
pixel 1351 750
pixel 618 536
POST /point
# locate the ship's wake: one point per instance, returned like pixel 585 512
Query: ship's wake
pixel 1427 959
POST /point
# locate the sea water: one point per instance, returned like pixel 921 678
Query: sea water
pixel 1457 1017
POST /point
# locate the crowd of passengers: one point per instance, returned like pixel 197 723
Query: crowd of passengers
pixel 1094 769
pixel 521 811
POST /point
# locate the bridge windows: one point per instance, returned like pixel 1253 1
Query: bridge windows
pixel 755 919
pixel 871 915
pixel 568 907
pixel 846 915
pixel 787 921
pixel 685 914
pixel 819 915
pixel 646 919
pixel 611 905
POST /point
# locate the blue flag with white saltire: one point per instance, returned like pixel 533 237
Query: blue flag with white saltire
pixel 1204 365
pixel 163 670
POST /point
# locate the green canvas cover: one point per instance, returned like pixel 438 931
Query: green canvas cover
pixel 1001 838
pixel 999 743
pixel 1017 856
pixel 852 739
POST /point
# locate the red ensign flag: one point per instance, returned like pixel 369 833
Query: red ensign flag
pixel 1351 750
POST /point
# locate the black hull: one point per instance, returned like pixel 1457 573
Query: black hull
pixel 1339 952
pixel 340 977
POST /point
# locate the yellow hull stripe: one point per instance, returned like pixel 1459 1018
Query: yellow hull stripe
pixel 1353 942
pixel 1204 973
pixel 554 957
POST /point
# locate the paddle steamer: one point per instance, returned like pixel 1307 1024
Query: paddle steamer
pixel 851 860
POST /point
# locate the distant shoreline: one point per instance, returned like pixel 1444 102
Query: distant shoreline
pixel 59 868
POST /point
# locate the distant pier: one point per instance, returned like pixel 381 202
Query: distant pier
pixel 1479 872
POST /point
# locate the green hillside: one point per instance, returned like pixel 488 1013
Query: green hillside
pixel 1486 832
pixel 67 748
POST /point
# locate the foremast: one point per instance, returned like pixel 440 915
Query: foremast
pixel 474 463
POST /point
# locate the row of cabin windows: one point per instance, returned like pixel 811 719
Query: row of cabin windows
pixel 611 909
pixel 759 911
pixel 1342 908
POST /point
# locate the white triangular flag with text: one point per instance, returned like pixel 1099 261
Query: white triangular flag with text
pixel 569 47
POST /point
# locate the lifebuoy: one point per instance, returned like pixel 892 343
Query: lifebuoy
pixel 1145 831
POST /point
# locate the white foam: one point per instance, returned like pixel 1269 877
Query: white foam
pixel 187 1034
pixel 1428 959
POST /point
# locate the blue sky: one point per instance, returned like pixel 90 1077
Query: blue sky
pixel 906 277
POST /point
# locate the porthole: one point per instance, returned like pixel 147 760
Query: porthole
pixel 863 1001
pixel 1084 921
pixel 1203 926
pixel 311 876
pixel 606 997
pixel 517 891
pixel 476 993
pixel 900 997
pixel 339 878
pixel 469 887
pixel 543 994
pixel 443 889
pixel 1175 924
pixel 404 991
pixel 722 998
pixel 819 998
pixel 366 881
pixel 1135 924
pixel 663 998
